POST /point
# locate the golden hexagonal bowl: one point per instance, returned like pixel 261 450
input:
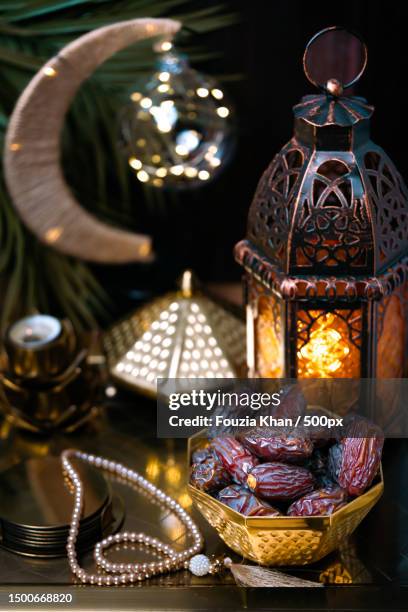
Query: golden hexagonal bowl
pixel 288 540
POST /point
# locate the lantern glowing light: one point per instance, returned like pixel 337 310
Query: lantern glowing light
pixel 323 356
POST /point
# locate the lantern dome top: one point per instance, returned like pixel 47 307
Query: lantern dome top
pixel 325 109
pixel 331 203
pixel 322 211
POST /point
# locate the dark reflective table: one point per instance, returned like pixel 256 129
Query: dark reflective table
pixel 368 572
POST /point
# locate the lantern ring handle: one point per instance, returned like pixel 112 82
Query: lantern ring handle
pixel 321 33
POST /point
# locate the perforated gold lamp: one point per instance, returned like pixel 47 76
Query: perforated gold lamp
pixel 184 334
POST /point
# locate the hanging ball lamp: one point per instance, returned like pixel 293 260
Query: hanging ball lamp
pixel 176 131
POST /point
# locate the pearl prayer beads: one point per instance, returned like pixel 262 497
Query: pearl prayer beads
pixel 122 573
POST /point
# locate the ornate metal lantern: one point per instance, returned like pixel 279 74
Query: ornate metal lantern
pixel 326 255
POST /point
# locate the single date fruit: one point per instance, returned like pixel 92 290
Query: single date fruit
pixel 201 454
pixel 209 476
pixel 241 500
pixel 292 403
pixel 361 456
pixel 280 447
pixel 280 481
pixel 319 503
pixel 235 458
pixel 335 458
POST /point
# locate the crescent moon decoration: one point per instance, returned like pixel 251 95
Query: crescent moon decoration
pixel 32 151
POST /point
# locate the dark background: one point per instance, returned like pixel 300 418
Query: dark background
pixel 265 48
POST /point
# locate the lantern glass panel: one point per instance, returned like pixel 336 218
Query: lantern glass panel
pixel 269 339
pixel 392 335
pixel 328 343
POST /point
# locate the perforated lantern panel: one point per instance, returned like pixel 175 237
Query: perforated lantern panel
pixel 177 336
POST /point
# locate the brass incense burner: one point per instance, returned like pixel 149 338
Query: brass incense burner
pixel 46 382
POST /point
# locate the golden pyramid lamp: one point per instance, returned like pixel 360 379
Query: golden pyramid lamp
pixel 183 335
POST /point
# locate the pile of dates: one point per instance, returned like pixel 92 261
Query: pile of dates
pixel 268 473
